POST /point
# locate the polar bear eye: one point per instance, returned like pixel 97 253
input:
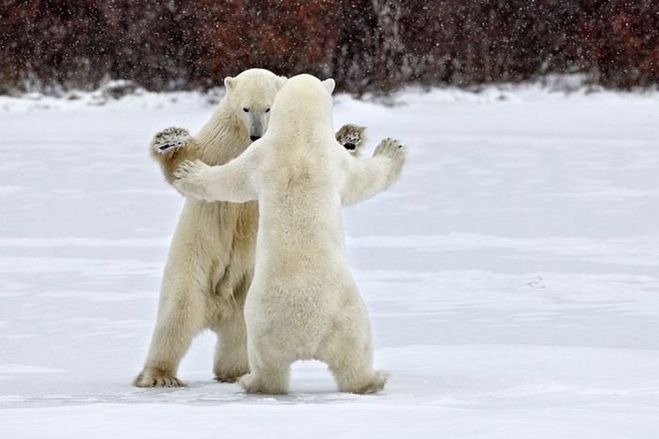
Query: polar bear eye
pixel 246 110
pixel 267 110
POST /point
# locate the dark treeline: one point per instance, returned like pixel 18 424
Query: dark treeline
pixel 366 45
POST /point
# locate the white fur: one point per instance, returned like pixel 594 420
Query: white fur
pixel 303 302
pixel 211 257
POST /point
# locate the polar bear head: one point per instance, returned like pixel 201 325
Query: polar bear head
pixel 303 102
pixel 250 95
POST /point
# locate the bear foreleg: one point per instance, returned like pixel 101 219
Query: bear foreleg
pixel 171 147
pixel 368 177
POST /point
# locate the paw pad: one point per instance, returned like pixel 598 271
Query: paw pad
pixel 170 139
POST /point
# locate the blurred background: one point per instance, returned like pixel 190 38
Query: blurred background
pixel 366 45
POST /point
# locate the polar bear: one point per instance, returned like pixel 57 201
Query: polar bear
pixel 211 258
pixel 303 302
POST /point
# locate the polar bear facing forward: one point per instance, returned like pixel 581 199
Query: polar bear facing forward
pixel 303 302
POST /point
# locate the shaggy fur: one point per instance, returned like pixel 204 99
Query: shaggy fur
pixel 303 302
pixel 211 258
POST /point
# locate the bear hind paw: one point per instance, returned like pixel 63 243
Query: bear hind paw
pixel 372 384
pixel 157 378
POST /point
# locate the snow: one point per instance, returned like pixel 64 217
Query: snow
pixel 511 275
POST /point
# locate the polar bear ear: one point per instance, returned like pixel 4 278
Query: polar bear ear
pixel 281 80
pixel 329 85
pixel 229 82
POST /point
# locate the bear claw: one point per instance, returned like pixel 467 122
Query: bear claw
pixel 170 139
pixel 388 147
pixel 226 380
pixel 157 378
pixel 352 137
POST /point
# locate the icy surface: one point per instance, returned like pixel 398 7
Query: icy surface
pixel 511 276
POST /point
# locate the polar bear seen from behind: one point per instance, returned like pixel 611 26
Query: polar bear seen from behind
pixel 303 302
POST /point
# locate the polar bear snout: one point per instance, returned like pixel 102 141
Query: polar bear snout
pixel 258 123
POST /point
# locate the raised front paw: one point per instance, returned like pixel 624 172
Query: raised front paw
pixel 170 140
pixel 188 175
pixel 352 137
pixel 189 170
pixel 389 147
pixel 394 151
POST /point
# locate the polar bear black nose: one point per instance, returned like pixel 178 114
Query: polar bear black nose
pixel 254 138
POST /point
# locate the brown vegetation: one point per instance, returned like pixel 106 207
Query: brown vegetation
pixel 366 45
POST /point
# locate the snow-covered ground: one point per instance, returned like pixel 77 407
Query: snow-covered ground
pixel 512 275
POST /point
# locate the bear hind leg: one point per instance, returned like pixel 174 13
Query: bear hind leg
pixel 269 366
pixel 271 380
pixel 231 352
pixel 350 359
pixel 180 318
